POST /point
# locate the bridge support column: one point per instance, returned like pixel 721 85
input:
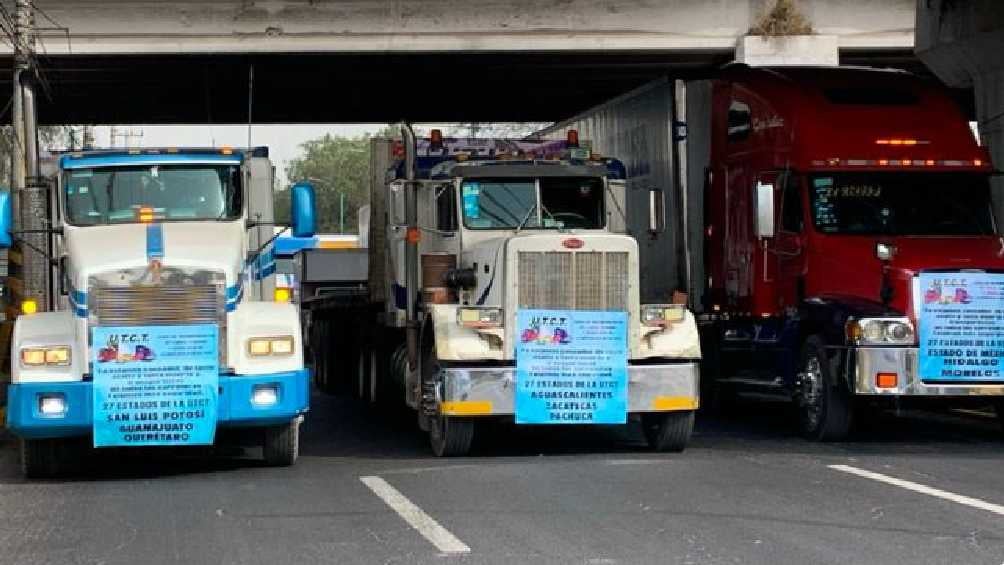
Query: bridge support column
pixel 962 43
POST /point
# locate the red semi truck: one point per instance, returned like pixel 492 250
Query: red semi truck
pixel 848 256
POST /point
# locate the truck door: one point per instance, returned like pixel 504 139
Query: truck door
pixel 763 265
pixel 788 245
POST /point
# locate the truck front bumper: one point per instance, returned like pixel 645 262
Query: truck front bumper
pixel 491 391
pixel 869 362
pixel 235 409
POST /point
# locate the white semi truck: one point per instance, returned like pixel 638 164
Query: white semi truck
pixel 501 285
pixel 164 324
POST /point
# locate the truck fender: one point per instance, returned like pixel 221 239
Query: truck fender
pixel 679 340
pixel 826 317
pixel 47 329
pixel 457 343
pixel 263 319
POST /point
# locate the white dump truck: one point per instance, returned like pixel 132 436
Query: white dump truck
pixel 501 284
pixel 165 326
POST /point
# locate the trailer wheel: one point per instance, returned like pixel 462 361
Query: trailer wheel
pixel 668 431
pixel 50 458
pixel 281 446
pixel 825 406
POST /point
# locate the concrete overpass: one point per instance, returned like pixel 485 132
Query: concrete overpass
pixel 122 61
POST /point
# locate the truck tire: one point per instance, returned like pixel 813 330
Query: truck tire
pixel 281 445
pixel 451 437
pixel 320 353
pixel 448 436
pixel 825 406
pixel 668 431
pixel 50 458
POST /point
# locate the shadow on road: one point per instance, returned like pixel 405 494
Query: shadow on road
pixel 343 428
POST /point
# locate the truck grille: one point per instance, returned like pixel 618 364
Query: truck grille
pixel 573 280
pixel 157 305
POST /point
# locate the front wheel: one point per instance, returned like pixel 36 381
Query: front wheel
pixel 668 431
pixel 825 406
pixel 50 458
pixel 451 437
pixel 281 446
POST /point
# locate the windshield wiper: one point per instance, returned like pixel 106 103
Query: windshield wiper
pixel 526 218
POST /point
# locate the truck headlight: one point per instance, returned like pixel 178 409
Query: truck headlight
pixel 276 345
pixel 480 317
pixel 881 331
pixel 38 356
pixel 662 315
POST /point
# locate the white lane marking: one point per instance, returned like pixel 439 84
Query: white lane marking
pixel 922 489
pixel 415 516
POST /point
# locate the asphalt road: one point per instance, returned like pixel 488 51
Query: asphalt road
pixel 746 491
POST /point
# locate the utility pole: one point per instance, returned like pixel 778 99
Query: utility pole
pixel 29 260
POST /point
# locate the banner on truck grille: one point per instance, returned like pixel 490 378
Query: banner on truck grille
pixel 155 385
pixel 961 318
pixel 571 367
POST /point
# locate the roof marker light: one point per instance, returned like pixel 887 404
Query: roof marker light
pixel 883 162
pixel 227 150
pixel 978 162
pixel 929 162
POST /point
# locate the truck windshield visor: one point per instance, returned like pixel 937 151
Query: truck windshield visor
pixel 116 195
pixel 905 204
pixel 566 203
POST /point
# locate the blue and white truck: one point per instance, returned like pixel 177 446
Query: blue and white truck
pixel 166 326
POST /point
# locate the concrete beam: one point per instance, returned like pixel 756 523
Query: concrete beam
pixel 202 26
pixel 820 50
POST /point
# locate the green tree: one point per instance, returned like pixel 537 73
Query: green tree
pixel 49 138
pixel 336 166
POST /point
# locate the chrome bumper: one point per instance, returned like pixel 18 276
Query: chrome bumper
pixel 490 391
pixel 904 362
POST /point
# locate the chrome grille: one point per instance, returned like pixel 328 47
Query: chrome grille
pixel 157 305
pixel 573 280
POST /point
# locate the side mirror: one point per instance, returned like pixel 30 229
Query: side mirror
pixel 302 210
pixel 764 210
pixel 6 220
pixel 656 211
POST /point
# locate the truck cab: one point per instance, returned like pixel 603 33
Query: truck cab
pixel 505 228
pixel 849 215
pixel 164 325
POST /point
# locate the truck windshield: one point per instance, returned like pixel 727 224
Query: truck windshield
pixel 115 195
pixel 895 203
pixel 567 202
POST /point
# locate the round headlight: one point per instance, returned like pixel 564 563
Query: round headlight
pixel 872 331
pixel 898 331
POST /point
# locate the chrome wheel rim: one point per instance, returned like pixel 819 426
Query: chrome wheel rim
pixel 811 392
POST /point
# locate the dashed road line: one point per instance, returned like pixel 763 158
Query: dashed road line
pixel 415 516
pixel 922 489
